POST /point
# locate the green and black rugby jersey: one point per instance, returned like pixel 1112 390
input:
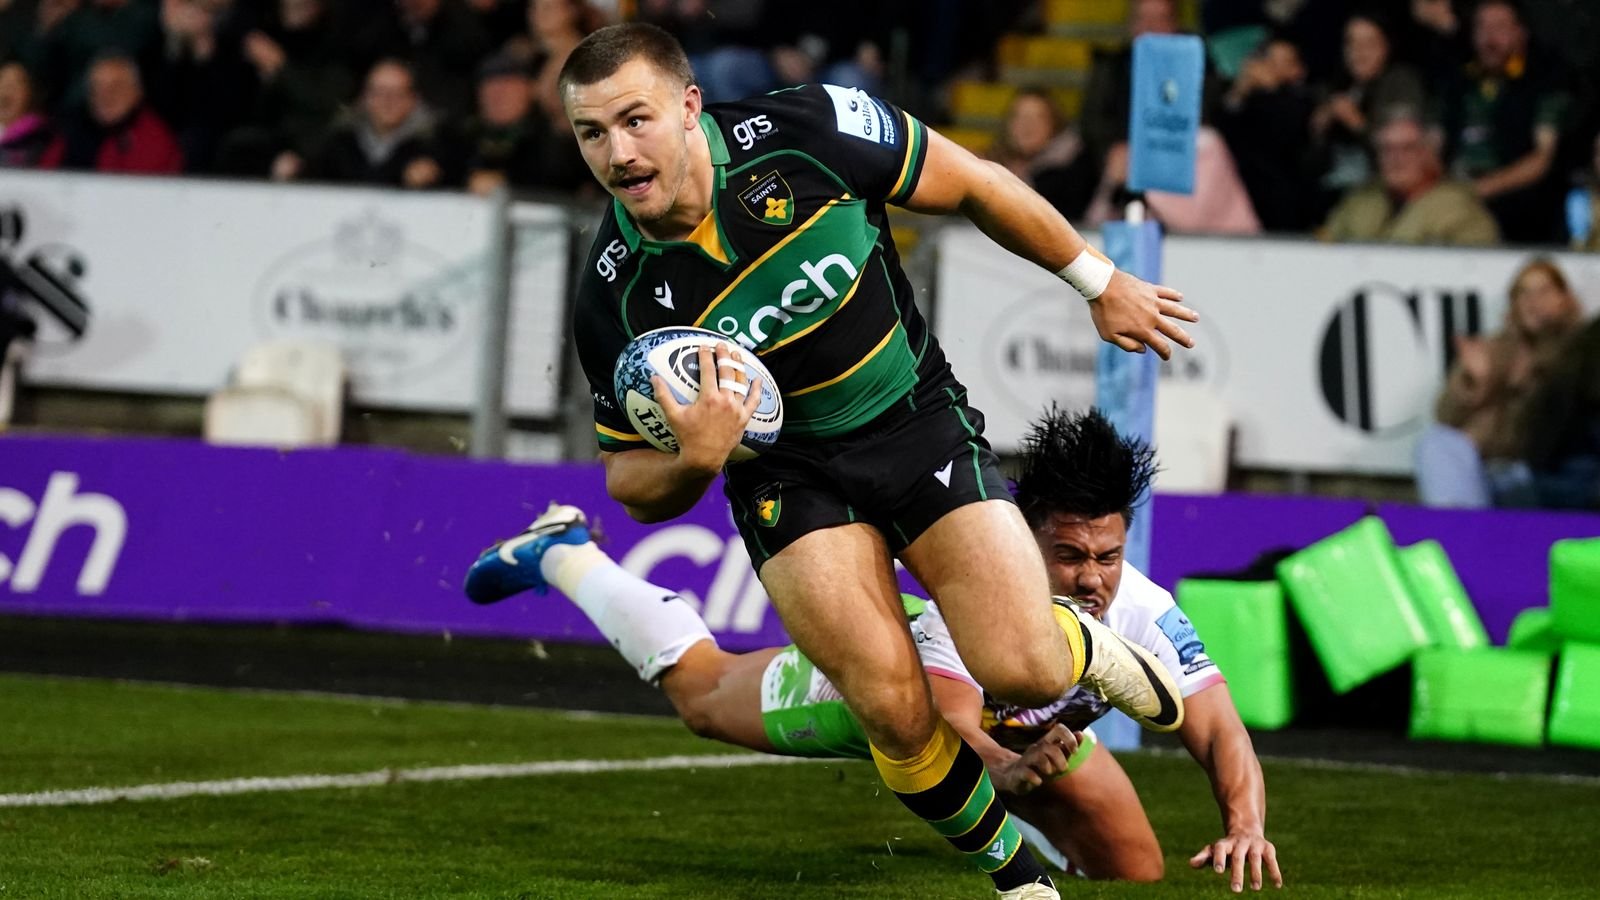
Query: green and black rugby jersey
pixel 795 261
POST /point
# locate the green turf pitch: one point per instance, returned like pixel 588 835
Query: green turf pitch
pixel 812 830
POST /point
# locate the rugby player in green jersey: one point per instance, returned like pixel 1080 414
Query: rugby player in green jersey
pixel 765 220
pixel 1079 484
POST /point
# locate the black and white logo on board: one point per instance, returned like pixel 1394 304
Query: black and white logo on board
pixel 1385 349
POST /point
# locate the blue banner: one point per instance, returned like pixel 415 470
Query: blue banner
pixel 1168 77
pixel 1125 390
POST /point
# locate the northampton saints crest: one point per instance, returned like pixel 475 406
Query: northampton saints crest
pixel 769 199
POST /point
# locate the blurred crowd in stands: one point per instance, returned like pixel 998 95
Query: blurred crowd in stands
pixel 409 93
pixel 1427 121
pixel 1413 121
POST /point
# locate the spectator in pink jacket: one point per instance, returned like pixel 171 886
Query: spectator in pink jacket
pixel 25 135
pixel 1219 205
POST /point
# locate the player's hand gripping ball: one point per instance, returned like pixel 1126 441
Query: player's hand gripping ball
pixel 674 354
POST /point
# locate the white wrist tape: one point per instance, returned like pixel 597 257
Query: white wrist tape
pixel 1089 272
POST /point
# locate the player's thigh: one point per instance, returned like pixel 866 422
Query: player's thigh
pixel 718 694
pixel 835 591
pixel 982 565
pixel 1094 817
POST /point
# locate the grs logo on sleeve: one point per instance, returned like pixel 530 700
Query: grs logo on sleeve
pixel 751 130
pixel 861 115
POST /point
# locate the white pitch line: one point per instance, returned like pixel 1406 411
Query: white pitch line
pixel 381 777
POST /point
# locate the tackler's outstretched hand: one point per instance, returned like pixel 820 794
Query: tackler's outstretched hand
pixel 1240 854
pixel 712 425
pixel 1134 314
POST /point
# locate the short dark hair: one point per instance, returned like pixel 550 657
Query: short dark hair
pixel 601 54
pixel 1077 463
pixel 1513 5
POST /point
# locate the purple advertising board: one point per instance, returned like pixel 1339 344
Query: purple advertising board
pixel 377 539
pixel 380 539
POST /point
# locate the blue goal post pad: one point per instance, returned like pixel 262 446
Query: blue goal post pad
pixel 1168 77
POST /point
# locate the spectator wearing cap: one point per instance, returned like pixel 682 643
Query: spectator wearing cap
pixel 509 142
pixel 1503 119
pixel 1411 201
pixel 121 132
pixel 387 140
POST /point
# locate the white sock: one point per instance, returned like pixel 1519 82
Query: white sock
pixel 650 626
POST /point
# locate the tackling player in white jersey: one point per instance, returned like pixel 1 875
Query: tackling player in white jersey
pixel 1078 485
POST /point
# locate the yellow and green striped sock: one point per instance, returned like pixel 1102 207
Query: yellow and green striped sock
pixel 947 785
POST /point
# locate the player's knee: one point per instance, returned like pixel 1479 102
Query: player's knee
pixel 1144 867
pixel 1140 862
pixel 898 718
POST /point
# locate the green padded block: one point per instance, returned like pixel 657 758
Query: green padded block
pixel 1575 588
pixel 1441 601
pixel 1534 629
pixel 1245 628
pixel 1491 694
pixel 1355 603
pixel 1575 709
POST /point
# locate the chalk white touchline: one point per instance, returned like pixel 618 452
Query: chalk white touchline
pixel 381 777
pixel 1307 762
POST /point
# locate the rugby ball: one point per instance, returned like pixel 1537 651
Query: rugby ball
pixel 674 354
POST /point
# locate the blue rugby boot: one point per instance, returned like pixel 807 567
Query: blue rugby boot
pixel 512 566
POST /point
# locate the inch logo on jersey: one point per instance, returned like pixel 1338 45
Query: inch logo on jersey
pixel 769 198
pixel 755 333
pixel 751 130
pixel 861 115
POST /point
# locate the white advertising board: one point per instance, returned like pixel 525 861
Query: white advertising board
pixel 181 276
pixel 1329 357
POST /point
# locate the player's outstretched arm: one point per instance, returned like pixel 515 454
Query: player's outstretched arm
pixel 1218 741
pixel 1010 772
pixel 654 486
pixel 1127 311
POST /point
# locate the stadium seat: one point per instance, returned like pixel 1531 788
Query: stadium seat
pixel 1575 589
pixel 1575 709
pixel 1534 629
pixel 1490 694
pixel 285 394
pixel 1245 628
pixel 1044 60
pixel 1450 617
pixel 1352 596
pixel 1194 435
